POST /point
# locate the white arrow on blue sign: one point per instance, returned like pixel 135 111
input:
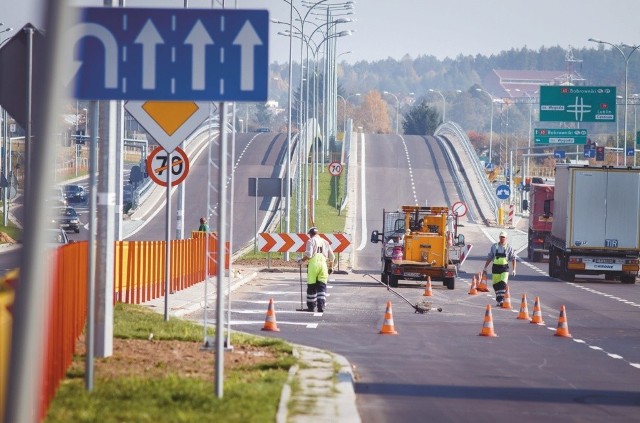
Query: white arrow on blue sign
pixel 503 192
pixel 171 54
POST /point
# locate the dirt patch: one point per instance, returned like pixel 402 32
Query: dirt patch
pixel 6 239
pixel 152 359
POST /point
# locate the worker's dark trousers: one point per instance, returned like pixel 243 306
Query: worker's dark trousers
pixel 316 293
pixel 500 289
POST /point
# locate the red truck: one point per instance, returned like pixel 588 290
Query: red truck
pixel 540 220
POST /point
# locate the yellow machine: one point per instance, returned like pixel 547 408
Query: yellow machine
pixel 420 242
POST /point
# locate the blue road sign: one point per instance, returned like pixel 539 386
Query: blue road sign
pixel 590 153
pixel 171 54
pixel 559 154
pixel 630 151
pixel 503 192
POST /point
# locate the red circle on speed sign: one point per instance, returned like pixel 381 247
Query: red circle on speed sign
pixel 335 168
pixel 158 166
pixel 459 208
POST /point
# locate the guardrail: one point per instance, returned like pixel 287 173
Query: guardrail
pixel 453 130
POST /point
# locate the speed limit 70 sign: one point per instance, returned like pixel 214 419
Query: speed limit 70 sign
pixel 160 163
pixel 335 168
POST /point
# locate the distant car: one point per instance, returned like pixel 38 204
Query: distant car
pixel 263 130
pixel 68 219
pixel 57 237
pixel 74 193
pixel 56 197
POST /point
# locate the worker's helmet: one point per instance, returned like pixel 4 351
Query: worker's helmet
pixel 502 234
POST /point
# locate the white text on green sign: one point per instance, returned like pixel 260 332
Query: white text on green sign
pixel 559 103
pixel 559 136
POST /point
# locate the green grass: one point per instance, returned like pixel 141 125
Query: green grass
pixel 251 393
pixel 328 217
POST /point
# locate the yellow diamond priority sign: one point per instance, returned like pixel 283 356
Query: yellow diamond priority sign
pixel 168 122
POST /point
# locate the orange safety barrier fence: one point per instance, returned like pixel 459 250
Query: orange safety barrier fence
pixel 139 276
pixel 6 301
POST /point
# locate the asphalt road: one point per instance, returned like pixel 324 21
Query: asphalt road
pixel 437 368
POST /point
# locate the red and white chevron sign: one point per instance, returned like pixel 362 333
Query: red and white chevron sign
pixel 295 243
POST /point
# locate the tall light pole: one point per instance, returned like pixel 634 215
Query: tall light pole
pixel 490 124
pixel 530 123
pixel 444 104
pixel 626 87
pixel 397 107
pixel 344 114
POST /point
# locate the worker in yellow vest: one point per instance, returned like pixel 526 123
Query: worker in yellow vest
pixel 320 256
pixel 501 254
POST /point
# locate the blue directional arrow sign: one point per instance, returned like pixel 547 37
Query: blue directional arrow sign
pixel 630 151
pixel 171 54
pixel 559 154
pixel 503 192
pixel 590 153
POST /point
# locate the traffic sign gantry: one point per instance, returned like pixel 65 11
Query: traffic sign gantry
pixel 172 54
pixel 160 163
pixel 561 103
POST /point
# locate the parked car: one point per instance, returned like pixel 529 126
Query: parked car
pixel 74 193
pixel 68 219
pixel 263 129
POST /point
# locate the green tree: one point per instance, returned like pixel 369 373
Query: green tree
pixel 421 120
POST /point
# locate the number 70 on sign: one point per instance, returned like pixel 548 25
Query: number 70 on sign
pixel 161 164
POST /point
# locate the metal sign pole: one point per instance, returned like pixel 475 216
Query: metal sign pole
pixel 222 218
pixel 167 251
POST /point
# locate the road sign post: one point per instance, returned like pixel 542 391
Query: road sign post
pixel 561 103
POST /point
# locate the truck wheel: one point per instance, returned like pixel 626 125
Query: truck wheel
pixel 450 283
pixel 569 276
pixel 552 262
pixel 384 278
pixel 536 257
pixel 393 281
pixel 628 279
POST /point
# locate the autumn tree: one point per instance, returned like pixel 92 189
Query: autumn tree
pixel 373 114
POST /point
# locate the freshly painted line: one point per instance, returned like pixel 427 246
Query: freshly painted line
pixel 616 356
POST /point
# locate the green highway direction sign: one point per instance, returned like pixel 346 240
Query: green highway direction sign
pixel 561 103
pixel 638 137
pixel 560 136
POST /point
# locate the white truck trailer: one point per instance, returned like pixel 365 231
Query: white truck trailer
pixel 596 223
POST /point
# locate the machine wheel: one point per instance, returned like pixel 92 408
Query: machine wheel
pixel 450 283
pixel 393 281
pixel 628 279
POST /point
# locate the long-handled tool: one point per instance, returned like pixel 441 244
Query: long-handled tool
pixel 302 307
pixel 421 307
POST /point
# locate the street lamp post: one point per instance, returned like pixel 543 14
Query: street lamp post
pixel 344 114
pixel 626 87
pixel 490 123
pixel 397 107
pixel 444 104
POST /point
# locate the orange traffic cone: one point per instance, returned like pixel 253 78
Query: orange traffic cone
pixel 537 313
pixel 270 321
pixel 563 327
pixel 506 300
pixel 387 326
pixel 487 325
pixel 524 310
pixel 473 290
pixel 427 290
pixel 482 286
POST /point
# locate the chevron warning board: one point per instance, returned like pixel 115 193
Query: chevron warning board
pixel 295 243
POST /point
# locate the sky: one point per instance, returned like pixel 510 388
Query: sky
pixel 395 28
